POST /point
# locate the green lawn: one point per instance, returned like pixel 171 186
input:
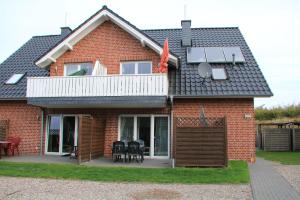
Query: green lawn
pixel 286 158
pixel 236 172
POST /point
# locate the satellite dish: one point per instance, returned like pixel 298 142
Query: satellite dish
pixel 204 70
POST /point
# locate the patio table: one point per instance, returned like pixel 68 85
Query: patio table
pixel 2 143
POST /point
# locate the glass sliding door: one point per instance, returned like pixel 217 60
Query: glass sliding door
pixel 127 129
pixel 161 136
pixel 53 134
pixel 152 129
pixel 69 128
pixel 61 134
pixel 144 132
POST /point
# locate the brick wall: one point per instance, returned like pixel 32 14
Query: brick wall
pixel 24 121
pixel 111 45
pixel 240 131
pixel 111 120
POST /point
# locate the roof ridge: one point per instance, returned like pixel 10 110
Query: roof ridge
pixel 50 35
pixel 195 28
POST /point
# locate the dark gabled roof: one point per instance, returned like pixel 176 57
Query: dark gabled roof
pixel 244 80
pixel 22 61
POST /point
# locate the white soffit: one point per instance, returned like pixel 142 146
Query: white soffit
pixel 85 29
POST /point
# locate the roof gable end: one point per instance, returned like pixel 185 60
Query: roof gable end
pixel 88 26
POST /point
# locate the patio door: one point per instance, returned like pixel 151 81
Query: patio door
pixel 152 129
pixel 61 134
pixel 144 132
pixel 161 136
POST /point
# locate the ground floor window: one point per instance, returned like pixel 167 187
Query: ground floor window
pixel 153 130
pixel 62 134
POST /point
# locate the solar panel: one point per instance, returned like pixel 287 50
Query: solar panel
pixel 195 55
pixel 219 74
pixel 228 51
pixel 214 54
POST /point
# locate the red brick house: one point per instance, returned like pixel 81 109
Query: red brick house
pixel 126 97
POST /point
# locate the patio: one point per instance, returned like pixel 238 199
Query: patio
pixel 103 162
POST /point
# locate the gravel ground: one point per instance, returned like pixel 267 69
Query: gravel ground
pixel 291 173
pixel 28 188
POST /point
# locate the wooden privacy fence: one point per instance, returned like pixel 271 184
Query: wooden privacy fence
pixel 91 137
pixel 296 139
pixel 278 137
pixel 4 125
pixel 85 136
pixel 200 142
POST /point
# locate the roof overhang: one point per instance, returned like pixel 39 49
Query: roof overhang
pixel 100 102
pixel 88 26
pixel 219 96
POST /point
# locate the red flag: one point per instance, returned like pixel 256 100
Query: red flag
pixel 163 65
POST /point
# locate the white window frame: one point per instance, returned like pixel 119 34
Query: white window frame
pixel 136 63
pixel 78 66
pixel 61 116
pixel 152 116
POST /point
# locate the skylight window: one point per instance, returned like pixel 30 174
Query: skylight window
pixel 14 79
pixel 219 74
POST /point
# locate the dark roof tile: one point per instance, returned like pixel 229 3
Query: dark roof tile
pixel 22 61
pixel 246 79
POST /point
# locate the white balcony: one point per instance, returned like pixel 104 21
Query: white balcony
pixel 98 86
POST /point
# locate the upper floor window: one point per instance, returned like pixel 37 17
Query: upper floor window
pixel 78 69
pixel 140 67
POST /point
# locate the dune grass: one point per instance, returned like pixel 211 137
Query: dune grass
pixel 279 113
pixel 235 173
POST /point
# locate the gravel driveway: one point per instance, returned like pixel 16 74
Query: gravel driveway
pixel 28 188
pixel 291 173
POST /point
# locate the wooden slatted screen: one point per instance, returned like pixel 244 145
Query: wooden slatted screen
pixel 97 148
pixel 276 139
pixel 85 138
pixel 296 139
pixel 200 142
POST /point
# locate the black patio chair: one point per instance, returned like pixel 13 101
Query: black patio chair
pixel 118 151
pixel 134 151
pixel 74 152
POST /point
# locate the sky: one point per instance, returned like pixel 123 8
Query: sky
pixel 270 27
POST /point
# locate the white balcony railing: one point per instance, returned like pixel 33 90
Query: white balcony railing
pixel 93 86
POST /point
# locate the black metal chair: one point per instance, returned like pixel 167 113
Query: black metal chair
pixel 134 151
pixel 74 152
pixel 118 151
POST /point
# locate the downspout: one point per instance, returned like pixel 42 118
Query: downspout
pixel 42 131
pixel 172 131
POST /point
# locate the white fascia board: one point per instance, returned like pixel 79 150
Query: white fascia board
pixel 69 46
pixel 71 40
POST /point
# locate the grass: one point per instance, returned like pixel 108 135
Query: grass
pixel 235 173
pixel 286 158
